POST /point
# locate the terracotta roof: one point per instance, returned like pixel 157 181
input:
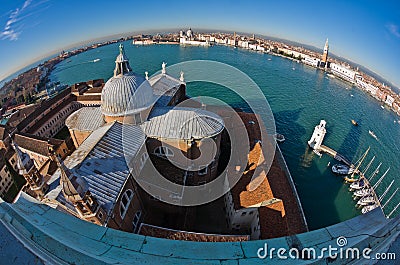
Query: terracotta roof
pixel 3 133
pixel 89 98
pixel 160 232
pixel 52 113
pixel 48 168
pixel 35 143
pixel 243 193
pixel 20 114
pixel 43 106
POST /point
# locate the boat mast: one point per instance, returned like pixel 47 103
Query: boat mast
pixel 369 164
pixel 395 208
pixel 359 163
pixel 386 191
pixel 380 180
pixel 376 171
pixel 394 193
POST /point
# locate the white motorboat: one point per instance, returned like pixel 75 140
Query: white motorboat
pixel 342 169
pixel 362 193
pixel 373 134
pixel 368 208
pixel 366 201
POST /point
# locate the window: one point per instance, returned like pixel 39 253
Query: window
pixel 136 220
pixel 244 213
pixel 137 118
pixel 125 201
pixel 143 159
pixel 163 151
pixel 203 171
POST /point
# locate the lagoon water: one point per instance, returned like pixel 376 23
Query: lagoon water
pixel 299 97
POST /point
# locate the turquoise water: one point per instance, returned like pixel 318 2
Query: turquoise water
pixel 299 99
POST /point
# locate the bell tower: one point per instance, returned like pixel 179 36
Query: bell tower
pixel 75 190
pixel 325 54
pixel 28 170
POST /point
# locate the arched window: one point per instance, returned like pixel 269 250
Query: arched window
pixel 143 160
pixel 125 201
pixel 163 151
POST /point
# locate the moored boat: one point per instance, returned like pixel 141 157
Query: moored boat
pixel 368 208
pixel 362 192
pixel 357 185
pixel 342 169
pixel 367 200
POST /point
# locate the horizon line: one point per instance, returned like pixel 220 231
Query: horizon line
pixel 88 42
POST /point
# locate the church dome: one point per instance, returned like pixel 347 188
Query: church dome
pixel 126 92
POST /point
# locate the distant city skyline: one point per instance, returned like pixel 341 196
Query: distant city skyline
pixel 366 33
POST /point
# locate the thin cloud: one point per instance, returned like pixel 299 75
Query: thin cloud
pixel 13 28
pixel 393 29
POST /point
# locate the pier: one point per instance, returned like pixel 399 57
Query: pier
pixel 316 144
pixel 335 155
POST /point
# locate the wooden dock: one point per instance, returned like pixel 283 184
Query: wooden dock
pixel 335 155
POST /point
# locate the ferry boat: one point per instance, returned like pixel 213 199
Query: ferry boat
pixel 279 138
pixel 342 169
pixel 372 134
pixel 354 122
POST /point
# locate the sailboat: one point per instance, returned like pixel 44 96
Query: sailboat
pixel 367 200
pixel 363 192
pixel 369 208
pixel 352 178
pixel 358 185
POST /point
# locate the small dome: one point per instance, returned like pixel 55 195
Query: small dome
pixel 126 94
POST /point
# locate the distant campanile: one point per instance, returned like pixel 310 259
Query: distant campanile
pixel 325 54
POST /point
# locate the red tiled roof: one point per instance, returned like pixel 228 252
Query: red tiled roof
pixel 35 143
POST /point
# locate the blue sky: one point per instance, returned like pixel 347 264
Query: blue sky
pixel 366 32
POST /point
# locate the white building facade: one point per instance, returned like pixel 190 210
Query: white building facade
pixel 343 72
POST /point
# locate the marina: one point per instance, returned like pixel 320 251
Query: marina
pixel 363 191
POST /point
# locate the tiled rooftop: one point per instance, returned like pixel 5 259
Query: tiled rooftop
pixel 36 143
pixel 85 119
pixel 101 162
pixel 182 123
